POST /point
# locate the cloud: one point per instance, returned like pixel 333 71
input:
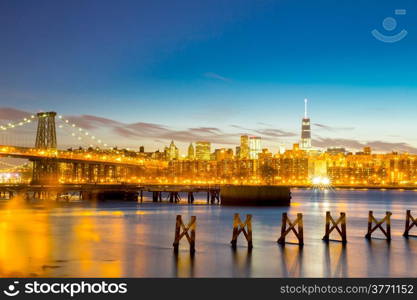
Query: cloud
pixel 240 127
pixel 92 122
pixel 12 114
pixel 140 129
pixel 388 147
pixel 160 132
pixel 214 135
pixel 266 133
pixel 264 124
pixel 206 130
pixel 124 132
pixel 275 133
pixel 379 146
pixel 332 128
pixel 216 76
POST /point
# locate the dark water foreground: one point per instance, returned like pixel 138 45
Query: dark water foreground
pixel 135 240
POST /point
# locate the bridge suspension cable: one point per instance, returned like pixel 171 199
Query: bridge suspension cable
pixel 80 133
pixel 18 123
pixel 72 128
pixel 14 132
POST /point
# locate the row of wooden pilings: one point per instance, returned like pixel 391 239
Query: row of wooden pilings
pixel 6 195
pixel 296 226
pixel 41 195
pixel 213 196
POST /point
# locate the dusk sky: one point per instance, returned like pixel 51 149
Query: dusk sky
pixel 145 72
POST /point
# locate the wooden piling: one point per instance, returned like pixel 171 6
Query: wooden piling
pixel 190 197
pixel 187 231
pixel 291 227
pixel 378 224
pixel 214 197
pixel 335 225
pixel 177 197
pixel 239 227
pixel 409 223
pixel 174 197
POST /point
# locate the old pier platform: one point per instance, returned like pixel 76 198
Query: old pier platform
pixel 225 195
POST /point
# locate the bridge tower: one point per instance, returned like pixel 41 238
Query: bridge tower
pixel 46 133
pixel 45 170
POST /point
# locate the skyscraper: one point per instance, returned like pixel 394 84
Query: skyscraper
pixel 171 151
pixel 202 150
pixel 244 147
pixel 255 147
pixel 191 152
pixel 305 130
pixel 237 152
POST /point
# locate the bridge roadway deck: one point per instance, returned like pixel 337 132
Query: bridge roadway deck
pixel 65 157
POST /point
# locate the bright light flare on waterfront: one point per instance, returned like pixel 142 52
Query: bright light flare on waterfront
pixel 321 182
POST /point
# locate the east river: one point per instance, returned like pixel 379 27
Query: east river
pixel 116 239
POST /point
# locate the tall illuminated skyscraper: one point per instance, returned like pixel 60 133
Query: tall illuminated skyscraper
pixel 172 151
pixel 255 147
pixel 191 154
pixel 305 130
pixel 244 147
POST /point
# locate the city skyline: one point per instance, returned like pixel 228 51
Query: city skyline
pixel 214 76
pixel 271 138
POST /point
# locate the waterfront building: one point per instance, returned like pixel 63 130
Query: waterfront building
pixel 223 154
pixel 237 152
pixel 293 167
pixel 203 150
pixel 265 154
pixel 336 150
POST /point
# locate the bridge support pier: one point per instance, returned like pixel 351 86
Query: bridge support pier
pixel 91 177
pixel 84 172
pixel 45 171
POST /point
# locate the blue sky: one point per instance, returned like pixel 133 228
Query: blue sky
pixel 146 71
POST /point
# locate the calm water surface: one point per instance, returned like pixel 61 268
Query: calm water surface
pixel 135 239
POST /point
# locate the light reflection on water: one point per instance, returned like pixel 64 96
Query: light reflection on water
pixel 116 239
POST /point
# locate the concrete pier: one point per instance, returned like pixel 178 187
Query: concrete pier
pixel 255 195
